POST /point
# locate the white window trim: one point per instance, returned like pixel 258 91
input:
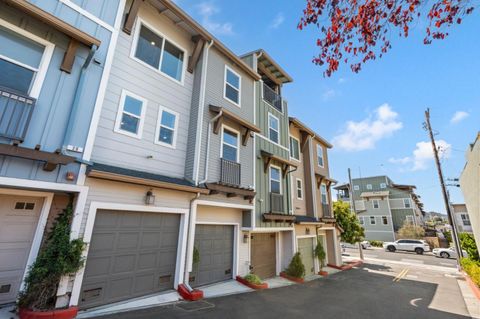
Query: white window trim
pixel 298 141
pixel 41 72
pixel 356 187
pixel 238 141
pixel 159 125
pixel 386 218
pixel 297 189
pixel 278 131
pixel 383 185
pixel 369 187
pixel 225 83
pixel 323 185
pixel 136 34
pixel 118 120
pixel 405 205
pixel 270 178
pixel 361 220
pixel 374 220
pixel 320 147
pixel 410 218
pixel 375 201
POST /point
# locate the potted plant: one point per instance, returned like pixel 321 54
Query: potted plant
pixel 58 257
pixel 319 252
pixel 252 281
pixel 296 269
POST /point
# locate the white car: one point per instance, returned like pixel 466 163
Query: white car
pixel 366 244
pixel 414 245
pixel 447 252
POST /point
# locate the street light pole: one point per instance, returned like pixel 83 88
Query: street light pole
pixel 352 207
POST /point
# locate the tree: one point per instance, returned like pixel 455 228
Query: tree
pixel 467 241
pixel 357 31
pixel 411 231
pixel 353 232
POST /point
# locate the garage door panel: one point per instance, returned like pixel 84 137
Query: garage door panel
pixel 103 242
pixel 150 240
pixel 102 266
pixel 124 263
pixel 147 261
pixel 128 240
pixel 130 221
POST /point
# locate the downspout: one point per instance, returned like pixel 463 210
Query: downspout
pixel 187 249
pixel 76 100
pixel 208 146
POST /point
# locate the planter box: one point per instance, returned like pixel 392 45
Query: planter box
pixel 263 285
pixel 69 313
pixel 475 289
pixel 193 295
pixel 294 279
pixel 323 273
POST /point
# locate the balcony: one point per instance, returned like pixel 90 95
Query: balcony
pixel 15 114
pixel 230 172
pixel 327 211
pixel 276 203
pixel 272 97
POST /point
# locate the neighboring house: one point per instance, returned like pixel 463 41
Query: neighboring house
pixel 462 219
pixel 470 185
pixel 53 58
pixel 383 206
pixel 311 196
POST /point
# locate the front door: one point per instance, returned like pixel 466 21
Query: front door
pixel 263 255
pixel 305 248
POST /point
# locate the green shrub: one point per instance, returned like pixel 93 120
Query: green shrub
pixel 296 268
pixel 376 243
pixel 320 253
pixel 448 236
pixel 253 279
pixel 196 256
pixel 411 231
pixel 472 268
pixel 467 241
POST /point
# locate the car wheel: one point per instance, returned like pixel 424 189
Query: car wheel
pixel 391 249
pixel 419 251
pixel 445 255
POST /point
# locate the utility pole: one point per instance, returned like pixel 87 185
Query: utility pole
pixel 350 190
pixel 444 189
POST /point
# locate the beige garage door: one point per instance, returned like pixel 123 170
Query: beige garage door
pixel 18 220
pixel 263 255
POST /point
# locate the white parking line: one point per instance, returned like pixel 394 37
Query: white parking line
pixel 412 261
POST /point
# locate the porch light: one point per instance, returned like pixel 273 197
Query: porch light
pixel 150 198
pixel 245 238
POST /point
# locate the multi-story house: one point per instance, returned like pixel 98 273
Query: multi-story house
pixel 54 55
pixel 462 219
pixel 383 206
pixel 311 197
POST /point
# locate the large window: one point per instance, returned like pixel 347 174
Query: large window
pixel 167 127
pixel 376 203
pixel 24 60
pixel 320 155
pixel 131 114
pixel 275 180
pixel 323 192
pixel 294 148
pixel 299 188
pixel 159 53
pixel 406 203
pixel 465 219
pixel 273 128
pixel 410 219
pixel 230 145
pixel 232 86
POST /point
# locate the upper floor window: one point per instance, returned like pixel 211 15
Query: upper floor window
pixel 360 219
pixel 294 148
pixel 376 203
pixel 232 86
pixel 230 145
pixel 275 180
pixel 383 185
pixel 320 155
pixel 410 219
pixel 299 188
pixel 131 114
pixel 385 220
pixel 356 187
pixel 369 186
pixel 465 219
pixel 323 192
pixel 406 203
pixel 159 53
pixel 166 132
pixel 373 221
pixel 24 60
pixel 273 128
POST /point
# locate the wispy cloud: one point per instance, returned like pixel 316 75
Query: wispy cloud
pixel 458 117
pixel 207 10
pixel 341 80
pixel 329 94
pixel 364 135
pixel 277 21
pixel 422 155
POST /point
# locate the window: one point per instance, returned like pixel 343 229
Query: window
pixel 360 219
pixel 369 186
pixel 356 187
pixel 166 133
pixel 465 219
pixel 24 60
pixel 406 203
pixel 299 188
pixel 230 145
pixel 385 220
pixel 376 204
pixel 320 155
pixel 232 86
pixel 275 180
pixel 383 185
pixel 294 148
pixel 159 53
pixel 273 128
pixel 130 115
pixel 372 220
pixel 409 219
pixel 323 192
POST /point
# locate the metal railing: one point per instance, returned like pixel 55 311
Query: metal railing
pixel 230 172
pixel 272 97
pixel 327 210
pixel 276 203
pixel 15 114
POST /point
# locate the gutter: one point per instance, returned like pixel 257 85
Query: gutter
pixel 208 146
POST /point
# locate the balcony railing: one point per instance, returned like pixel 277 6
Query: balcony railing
pixel 272 97
pixel 229 172
pixel 276 203
pixel 15 114
pixel 327 211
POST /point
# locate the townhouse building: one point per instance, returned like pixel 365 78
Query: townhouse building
pixel 53 58
pixel 382 206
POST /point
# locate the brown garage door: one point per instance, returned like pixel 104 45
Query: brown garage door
pixel 263 255
pixel 131 254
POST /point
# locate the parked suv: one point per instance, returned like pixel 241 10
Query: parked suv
pixel 416 245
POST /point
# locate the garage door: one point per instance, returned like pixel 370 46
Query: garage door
pixel 305 247
pixel 263 255
pixel 18 221
pixel 215 247
pixel 131 254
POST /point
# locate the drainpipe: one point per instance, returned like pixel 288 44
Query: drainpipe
pixel 190 223
pixel 76 100
pixel 208 146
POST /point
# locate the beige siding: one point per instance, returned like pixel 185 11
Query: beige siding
pixel 299 206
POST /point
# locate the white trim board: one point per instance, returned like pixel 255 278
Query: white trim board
pixel 24 183
pixel 87 14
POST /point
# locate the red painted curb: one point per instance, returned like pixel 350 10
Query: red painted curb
pixel 294 279
pixel 68 313
pixel 323 273
pixel 263 285
pixel 475 289
pixel 348 266
pixel 193 295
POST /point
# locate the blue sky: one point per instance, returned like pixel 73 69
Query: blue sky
pixel 374 118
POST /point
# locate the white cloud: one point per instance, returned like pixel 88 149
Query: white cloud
pixel 459 116
pixel 402 160
pixel 329 94
pixel 341 80
pixel 364 135
pixel 206 10
pixel 423 155
pixel 277 21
